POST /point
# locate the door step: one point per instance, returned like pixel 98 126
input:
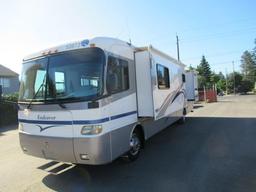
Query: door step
pixel 55 167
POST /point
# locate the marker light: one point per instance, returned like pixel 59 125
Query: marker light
pixel 24 149
pixel 84 156
pixel 91 130
pixel 92 45
pixel 50 51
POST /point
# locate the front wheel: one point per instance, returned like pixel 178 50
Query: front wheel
pixel 135 146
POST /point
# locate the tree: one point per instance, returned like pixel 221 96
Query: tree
pixel 191 68
pixel 254 59
pixel 254 52
pixel 204 71
pixel 215 78
pixel 220 81
pixel 221 76
pixel 221 85
pixel 248 65
pixel 238 79
pixel 245 86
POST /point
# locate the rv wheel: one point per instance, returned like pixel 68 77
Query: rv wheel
pixel 182 120
pixel 135 146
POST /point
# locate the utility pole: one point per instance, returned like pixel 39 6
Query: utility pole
pixel 226 82
pixel 178 47
pixel 234 77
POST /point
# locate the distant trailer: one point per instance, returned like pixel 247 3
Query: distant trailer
pixel 91 101
pixel 191 88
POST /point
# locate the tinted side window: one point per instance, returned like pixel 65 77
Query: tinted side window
pixel 117 75
pixel 163 77
pixel 183 78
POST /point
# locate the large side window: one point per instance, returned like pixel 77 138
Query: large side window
pixel 39 83
pixel 59 82
pixel 117 75
pixel 163 77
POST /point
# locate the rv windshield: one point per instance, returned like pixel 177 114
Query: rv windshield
pixel 68 76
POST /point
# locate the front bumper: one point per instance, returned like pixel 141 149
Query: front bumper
pixel 70 150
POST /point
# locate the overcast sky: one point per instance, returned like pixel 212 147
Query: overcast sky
pixel 221 30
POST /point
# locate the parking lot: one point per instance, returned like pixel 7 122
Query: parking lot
pixel 215 150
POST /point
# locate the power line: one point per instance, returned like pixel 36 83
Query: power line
pixel 224 62
pixel 219 35
pixel 184 31
pixel 215 55
pixel 221 24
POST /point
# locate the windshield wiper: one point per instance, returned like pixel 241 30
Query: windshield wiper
pixel 60 104
pixel 55 98
pixel 99 97
pixel 40 87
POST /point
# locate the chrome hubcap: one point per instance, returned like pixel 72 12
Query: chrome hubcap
pixel 134 144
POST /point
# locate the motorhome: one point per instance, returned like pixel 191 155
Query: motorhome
pixel 92 101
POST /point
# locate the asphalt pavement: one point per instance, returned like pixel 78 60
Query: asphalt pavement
pixel 215 150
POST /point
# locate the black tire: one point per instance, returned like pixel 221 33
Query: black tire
pixel 182 120
pixel 136 146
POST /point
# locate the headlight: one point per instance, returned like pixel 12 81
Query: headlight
pixel 21 127
pixel 91 129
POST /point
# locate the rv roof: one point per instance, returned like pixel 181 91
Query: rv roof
pixel 151 48
pixel 106 43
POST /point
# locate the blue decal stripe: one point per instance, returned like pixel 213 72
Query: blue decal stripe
pixel 78 122
pixel 90 121
pixel 46 122
pixel 122 115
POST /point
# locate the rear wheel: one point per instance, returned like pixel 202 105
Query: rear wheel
pixel 135 146
pixel 182 120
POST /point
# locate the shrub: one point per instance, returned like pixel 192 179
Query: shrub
pixel 8 113
pixel 11 97
pixel 245 86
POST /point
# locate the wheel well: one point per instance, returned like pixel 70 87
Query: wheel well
pixel 140 130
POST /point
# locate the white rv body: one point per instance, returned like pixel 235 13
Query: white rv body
pixel 147 101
